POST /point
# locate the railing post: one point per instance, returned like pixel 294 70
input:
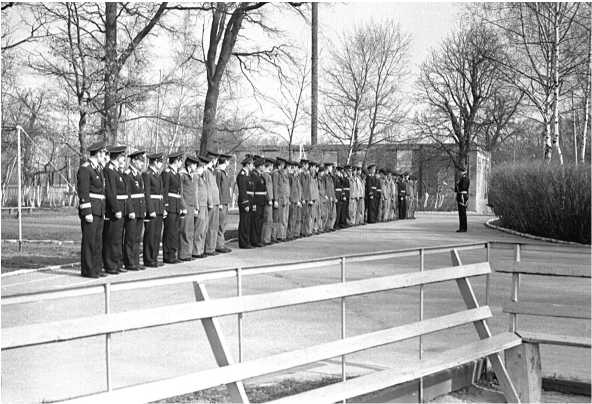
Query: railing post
pixel 487 257
pixel 343 370
pixel 421 268
pixel 107 290
pixel 515 288
pixel 19 185
pixel 239 292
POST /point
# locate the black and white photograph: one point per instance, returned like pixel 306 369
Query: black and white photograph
pixel 296 202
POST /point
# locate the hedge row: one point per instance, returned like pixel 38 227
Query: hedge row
pixel 547 200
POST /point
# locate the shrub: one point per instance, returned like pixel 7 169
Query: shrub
pixel 547 200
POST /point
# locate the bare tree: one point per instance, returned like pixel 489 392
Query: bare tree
pixel 227 21
pixel 291 102
pixel 539 55
pixel 15 16
pixel 386 108
pixel 455 84
pixel 362 97
pixel 146 16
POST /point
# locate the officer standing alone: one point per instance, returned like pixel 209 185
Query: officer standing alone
pixel 462 198
pixel 90 186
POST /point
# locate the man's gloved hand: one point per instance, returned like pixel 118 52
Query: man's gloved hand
pixel 88 218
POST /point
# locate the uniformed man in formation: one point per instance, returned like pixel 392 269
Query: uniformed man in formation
pixel 124 204
pixel 185 205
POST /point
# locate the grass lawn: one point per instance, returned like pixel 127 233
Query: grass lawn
pixel 60 224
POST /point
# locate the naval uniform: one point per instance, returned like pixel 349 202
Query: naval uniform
pixel 173 204
pixel 133 227
pixel 259 200
pixel 90 186
pixel 116 200
pixel 246 192
pixel 153 222
pixel 462 197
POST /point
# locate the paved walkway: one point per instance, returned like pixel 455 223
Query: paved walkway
pixel 60 370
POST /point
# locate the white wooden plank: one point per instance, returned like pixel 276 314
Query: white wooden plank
pixel 466 291
pixel 575 271
pixel 219 349
pixel 554 339
pixel 65 330
pixel 548 309
pixel 287 360
pixel 411 371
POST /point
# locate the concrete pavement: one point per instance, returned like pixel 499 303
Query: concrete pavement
pixel 60 370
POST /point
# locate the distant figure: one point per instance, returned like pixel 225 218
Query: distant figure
pixel 462 197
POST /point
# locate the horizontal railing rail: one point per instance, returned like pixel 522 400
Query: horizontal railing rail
pixel 66 330
pixel 228 272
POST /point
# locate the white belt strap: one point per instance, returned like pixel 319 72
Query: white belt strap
pixel 174 195
pixel 85 205
pixel 250 193
pixel 96 196
pixel 155 196
pixel 261 193
pixel 121 197
pixel 463 192
pixel 136 196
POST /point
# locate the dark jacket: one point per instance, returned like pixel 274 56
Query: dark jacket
pixel 171 191
pixel 90 185
pixel 115 191
pixel 135 191
pixel 260 188
pixel 153 192
pixel 245 186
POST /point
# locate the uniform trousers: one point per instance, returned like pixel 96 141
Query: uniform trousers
pixel 294 221
pixel 306 219
pixel 222 215
pixel 325 205
pixel 152 235
pixel 91 246
pixel 387 210
pixel 462 216
pixel 395 212
pixel 170 237
pixel 316 217
pixel 332 213
pixel 372 204
pixel 187 233
pixel 256 224
pixel 351 211
pixel 200 228
pixel 267 224
pixel 212 233
pixel 280 218
pixel 113 244
pixel 402 207
pixel 244 228
pixel 360 211
pixel 133 233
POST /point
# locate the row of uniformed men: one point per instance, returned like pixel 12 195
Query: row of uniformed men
pixel 185 205
pixel 281 200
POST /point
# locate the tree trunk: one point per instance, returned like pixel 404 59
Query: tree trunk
pixel 81 134
pixel 587 95
pixel 548 146
pixel 556 85
pixel 109 121
pixel 209 119
pixel 314 71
